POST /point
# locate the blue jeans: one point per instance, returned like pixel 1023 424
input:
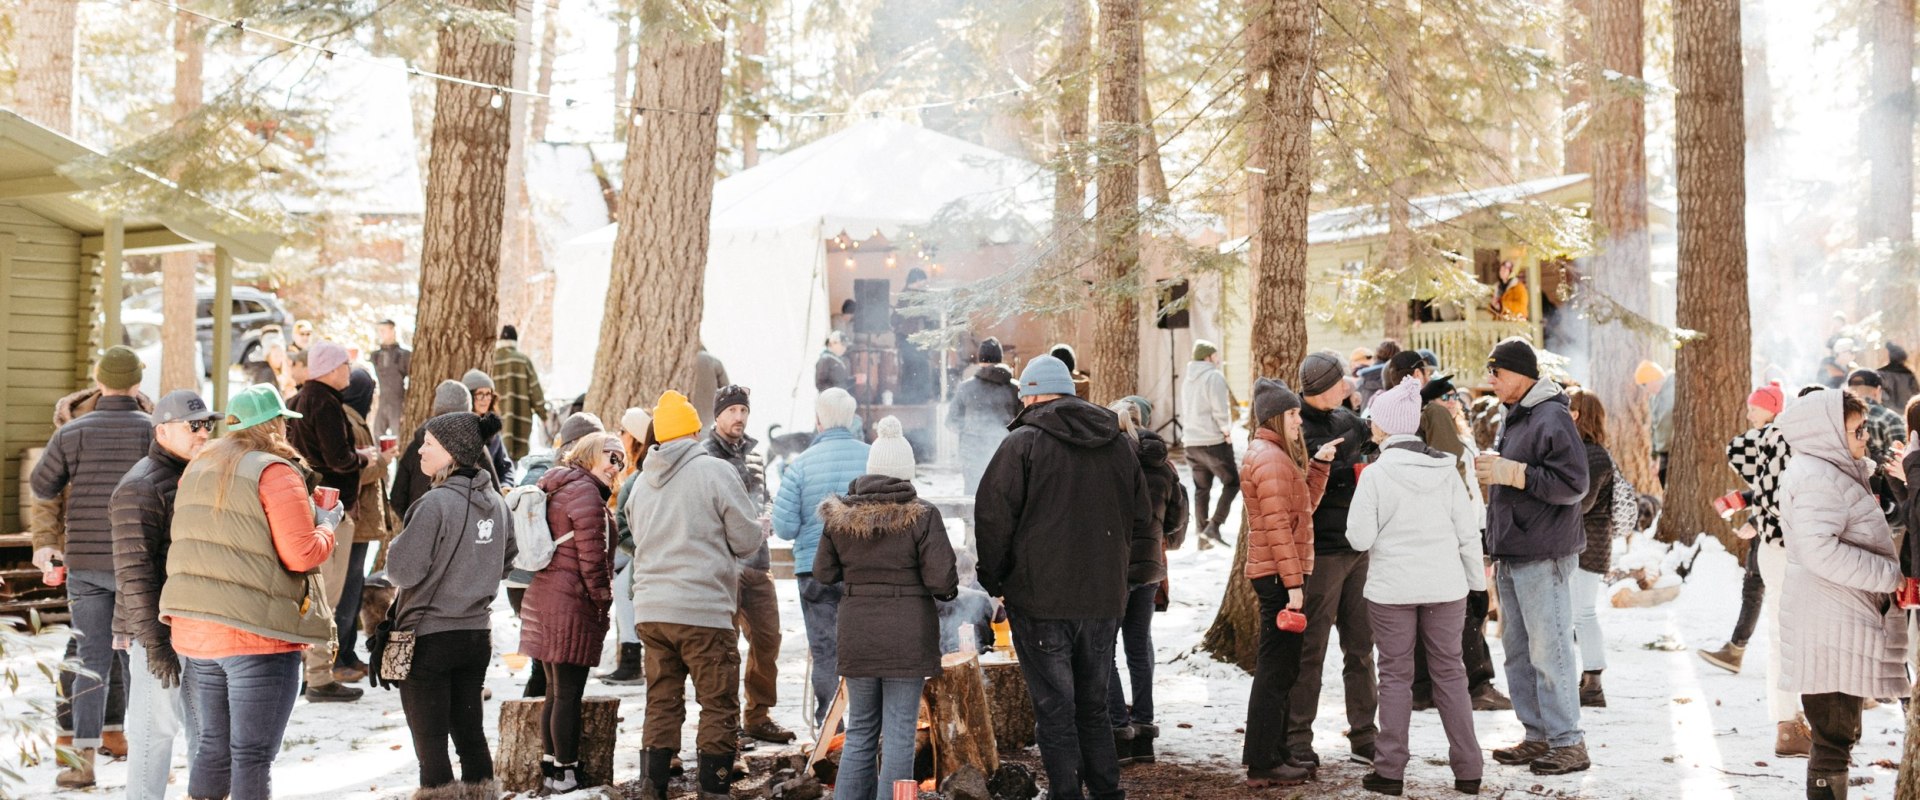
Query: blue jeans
pixel 1065 662
pixel 882 714
pixel 155 718
pixel 820 610
pixel 244 703
pixel 90 596
pixel 346 613
pixel 1136 628
pixel 623 605
pixel 1536 628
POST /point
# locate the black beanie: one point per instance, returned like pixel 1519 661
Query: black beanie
pixel 730 395
pixel 510 333
pixel 990 352
pixel 1271 398
pixel 464 436
pixel 1063 352
pixel 1515 356
pixel 1437 387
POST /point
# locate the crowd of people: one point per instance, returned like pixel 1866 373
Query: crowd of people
pixel 219 580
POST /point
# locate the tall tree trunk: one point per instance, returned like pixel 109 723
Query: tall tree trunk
pixel 1153 176
pixel 657 293
pixel 1887 138
pixel 1284 109
pixel 1116 223
pixel 543 82
pixel 1396 318
pixel 1577 52
pixel 516 225
pixel 753 81
pixel 179 369
pixel 1622 265
pixel 622 71
pixel 1714 371
pixel 43 87
pixel 1069 165
pixel 466 199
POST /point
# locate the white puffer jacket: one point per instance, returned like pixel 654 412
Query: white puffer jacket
pixel 1840 630
pixel 1412 513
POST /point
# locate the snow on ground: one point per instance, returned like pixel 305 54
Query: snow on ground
pixel 1676 727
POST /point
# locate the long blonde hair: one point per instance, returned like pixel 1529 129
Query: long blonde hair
pixel 226 452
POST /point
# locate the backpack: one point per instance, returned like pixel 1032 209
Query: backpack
pixel 532 539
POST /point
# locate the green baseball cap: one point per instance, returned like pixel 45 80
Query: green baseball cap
pixel 259 403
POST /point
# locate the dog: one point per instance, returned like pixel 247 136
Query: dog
pixel 783 448
pixel 376 601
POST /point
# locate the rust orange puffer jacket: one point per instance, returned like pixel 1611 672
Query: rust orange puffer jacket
pixel 1280 502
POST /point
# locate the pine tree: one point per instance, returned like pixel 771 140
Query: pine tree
pixel 44 88
pixel 1886 133
pixel 1116 257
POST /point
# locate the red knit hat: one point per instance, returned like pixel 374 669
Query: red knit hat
pixel 1769 397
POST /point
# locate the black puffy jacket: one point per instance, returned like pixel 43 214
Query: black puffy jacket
pixel 1541 521
pixel 1062 519
pixel 1318 428
pixel 142 511
pixel 90 455
pixel 1167 498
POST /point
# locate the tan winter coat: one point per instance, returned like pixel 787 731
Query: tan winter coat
pixel 1840 630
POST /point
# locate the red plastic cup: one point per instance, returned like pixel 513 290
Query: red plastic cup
pixel 906 790
pixel 1909 594
pixel 388 442
pixel 1732 503
pixel 326 497
pixel 55 576
pixel 1290 621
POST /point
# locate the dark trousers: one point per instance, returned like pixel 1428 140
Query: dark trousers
pixel 117 693
pixel 1210 463
pixel 1753 590
pixel 244 704
pixel 1274 675
pixel 1335 598
pixel 90 598
pixel 759 621
pixel 441 698
pixel 1066 662
pixel 560 719
pixel 1835 720
pixel 711 657
pixel 1136 631
pixel 346 613
pixel 1473 652
pixel 820 614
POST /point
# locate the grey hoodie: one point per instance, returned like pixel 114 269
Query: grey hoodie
pixel 1412 511
pixel 449 560
pixel 1205 406
pixel 692 522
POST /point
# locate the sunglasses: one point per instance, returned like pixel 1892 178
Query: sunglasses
pixel 734 388
pixel 617 459
pixel 201 425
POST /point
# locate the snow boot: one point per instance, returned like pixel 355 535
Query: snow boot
pixel 716 776
pixel 1525 752
pixel 1143 736
pixel 79 775
pixel 1563 761
pixel 1793 740
pixel 627 672
pixel 1466 785
pixel 655 763
pixel 1591 694
pixel 1373 782
pixel 1282 775
pixel 1826 785
pixel 1728 657
pixel 1123 744
pixel 1489 698
pixel 566 778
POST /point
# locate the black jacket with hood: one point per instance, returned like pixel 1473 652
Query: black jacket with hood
pixel 1062 523
pixel 1541 521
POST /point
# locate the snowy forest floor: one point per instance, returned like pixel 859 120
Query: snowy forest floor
pixel 1676 726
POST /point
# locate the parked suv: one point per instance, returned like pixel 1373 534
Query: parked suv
pixel 252 310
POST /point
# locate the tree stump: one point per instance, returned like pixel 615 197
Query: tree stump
pixel 961 724
pixel 1008 705
pixel 517 762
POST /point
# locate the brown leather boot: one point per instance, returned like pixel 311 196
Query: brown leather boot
pixel 78 774
pixel 1794 740
pixel 113 744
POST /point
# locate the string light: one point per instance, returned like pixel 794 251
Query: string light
pixel 499 91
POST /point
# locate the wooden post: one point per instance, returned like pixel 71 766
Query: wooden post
pixel 517 762
pixel 962 727
pixel 1009 707
pixel 222 326
pixel 112 265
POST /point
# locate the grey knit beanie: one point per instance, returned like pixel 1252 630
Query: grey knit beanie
pixel 464 435
pixel 451 396
pixel 475 380
pixel 577 426
pixel 1319 372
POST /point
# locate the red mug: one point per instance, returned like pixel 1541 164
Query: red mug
pixel 326 497
pixel 906 790
pixel 1908 595
pixel 388 442
pixel 1290 621
pixel 1732 503
pixel 57 575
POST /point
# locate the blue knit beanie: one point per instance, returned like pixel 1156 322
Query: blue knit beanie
pixel 1046 375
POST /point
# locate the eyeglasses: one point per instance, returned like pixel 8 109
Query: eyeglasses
pixel 200 425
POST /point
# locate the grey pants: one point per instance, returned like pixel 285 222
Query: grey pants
pixel 1335 598
pixel 1438 626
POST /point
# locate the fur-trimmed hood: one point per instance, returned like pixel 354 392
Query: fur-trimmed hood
pixel 66 409
pixel 874 505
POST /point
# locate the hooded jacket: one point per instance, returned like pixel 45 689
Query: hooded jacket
pixel 1897 385
pixel 889 551
pixel 1412 514
pixel 1166 497
pixel 1062 523
pixel 692 523
pixel 142 512
pixel 1280 501
pixel 1840 630
pixel 563 617
pixel 834 459
pixel 1318 428
pixel 325 440
pixel 90 455
pixel 1596 511
pixel 982 407
pixel 1541 521
pixel 1205 406
pixel 831 372
pixel 448 562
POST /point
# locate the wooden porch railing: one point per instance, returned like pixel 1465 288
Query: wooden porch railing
pixel 1463 346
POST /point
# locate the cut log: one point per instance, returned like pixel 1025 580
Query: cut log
pixel 1008 705
pixel 517 762
pixel 961 723
pixel 1630 597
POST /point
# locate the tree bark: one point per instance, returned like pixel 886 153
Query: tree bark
pixel 1069 166
pixel 43 86
pixel 1714 371
pixel 517 762
pixel 1397 320
pixel 1153 176
pixel 753 81
pixel 1622 265
pixel 516 224
pixel 1009 704
pixel 651 331
pixel 622 71
pixel 543 82
pixel 1281 95
pixel 179 369
pixel 1577 51
pixel 1887 139
pixel 466 199
pixel 961 724
pixel 1116 223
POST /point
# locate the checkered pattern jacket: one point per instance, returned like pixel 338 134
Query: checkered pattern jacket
pixel 1884 429
pixel 1760 457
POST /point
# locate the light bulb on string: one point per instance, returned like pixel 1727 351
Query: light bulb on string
pixel 497 100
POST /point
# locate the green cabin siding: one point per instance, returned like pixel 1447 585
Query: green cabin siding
pixel 42 358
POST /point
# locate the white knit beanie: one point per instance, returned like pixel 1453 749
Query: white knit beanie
pixel 1397 410
pixel 635 423
pixel 835 409
pixel 890 454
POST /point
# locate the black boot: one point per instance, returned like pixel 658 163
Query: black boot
pixel 627 672
pixel 1591 694
pixel 654 766
pixel 1826 785
pixel 1123 744
pixel 716 775
pixel 1143 736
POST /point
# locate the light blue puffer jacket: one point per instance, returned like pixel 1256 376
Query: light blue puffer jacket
pixel 835 458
